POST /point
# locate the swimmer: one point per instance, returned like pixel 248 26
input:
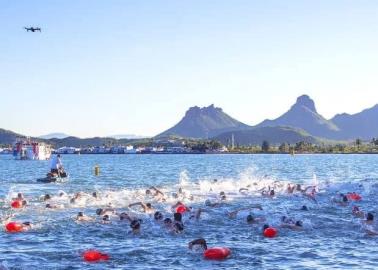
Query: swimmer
pixel 357 212
pixel 168 224
pixel 290 189
pixel 233 214
pixel 19 197
pixel 368 225
pixel 47 197
pixel 255 220
pixel 298 225
pixel 26 226
pixel 105 211
pixel 158 194
pixel 81 217
pixel 222 196
pixel 269 193
pixel 54 206
pixel 178 225
pixel 105 220
pixel 342 200
pixel 134 223
pixel 147 207
pixel 212 204
pixel 304 208
pixel 198 244
pixel 158 216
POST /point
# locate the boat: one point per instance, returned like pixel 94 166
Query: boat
pixel 26 149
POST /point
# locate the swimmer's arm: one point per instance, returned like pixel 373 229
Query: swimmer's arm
pixel 198 214
pixel 135 204
pixel 370 232
pixel 176 205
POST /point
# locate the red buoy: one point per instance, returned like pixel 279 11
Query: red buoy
pixel 270 232
pixel 95 256
pixel 16 204
pixel 13 227
pixel 354 196
pixel 181 209
pixel 217 253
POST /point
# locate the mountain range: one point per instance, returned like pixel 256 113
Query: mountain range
pixel 301 122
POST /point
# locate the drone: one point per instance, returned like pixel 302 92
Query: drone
pixel 33 29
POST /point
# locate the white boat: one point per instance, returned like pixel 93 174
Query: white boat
pixel 25 149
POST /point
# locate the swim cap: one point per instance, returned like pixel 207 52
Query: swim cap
pixel 99 211
pixel 250 218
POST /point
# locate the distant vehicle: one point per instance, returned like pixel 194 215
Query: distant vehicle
pixel 33 29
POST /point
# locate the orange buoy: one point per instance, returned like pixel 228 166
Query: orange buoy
pixel 270 232
pixel 181 209
pixel 16 204
pixel 354 196
pixel 95 256
pixel 217 253
pixel 13 227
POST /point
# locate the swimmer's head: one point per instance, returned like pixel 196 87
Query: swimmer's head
pixel 94 194
pixel 99 211
pixel 250 219
pixel 180 190
pixel 179 227
pixel 272 192
pixel 105 218
pixel 174 195
pixel 208 202
pixel 284 218
pixel 47 197
pixel 149 205
pixel 61 194
pixel 58 155
pixel 355 208
pixel 266 226
pixel 48 205
pixel 80 214
pixel 345 198
pixel 72 200
pixel 299 223
pixel 167 221
pixel 222 193
pixel 135 224
pixel 20 196
pixel 304 208
pixel 370 216
pixel 177 217
pixel 24 203
pixel 148 192
pixel 158 216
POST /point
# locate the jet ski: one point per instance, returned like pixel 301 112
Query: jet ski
pixel 53 177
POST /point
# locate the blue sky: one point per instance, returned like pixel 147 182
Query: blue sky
pixel 116 67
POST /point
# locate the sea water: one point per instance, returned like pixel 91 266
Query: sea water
pixel 332 238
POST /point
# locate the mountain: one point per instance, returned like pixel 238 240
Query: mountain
pixel 8 137
pixel 57 135
pixel 303 115
pixel 204 122
pixel 362 125
pixel 274 135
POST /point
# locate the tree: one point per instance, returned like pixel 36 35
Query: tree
pixel 265 146
pixel 284 148
pixel 358 143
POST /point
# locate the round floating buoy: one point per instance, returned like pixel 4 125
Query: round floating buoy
pixel 354 196
pixel 94 256
pixel 13 227
pixel 270 232
pixel 16 204
pixel 181 209
pixel 217 253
